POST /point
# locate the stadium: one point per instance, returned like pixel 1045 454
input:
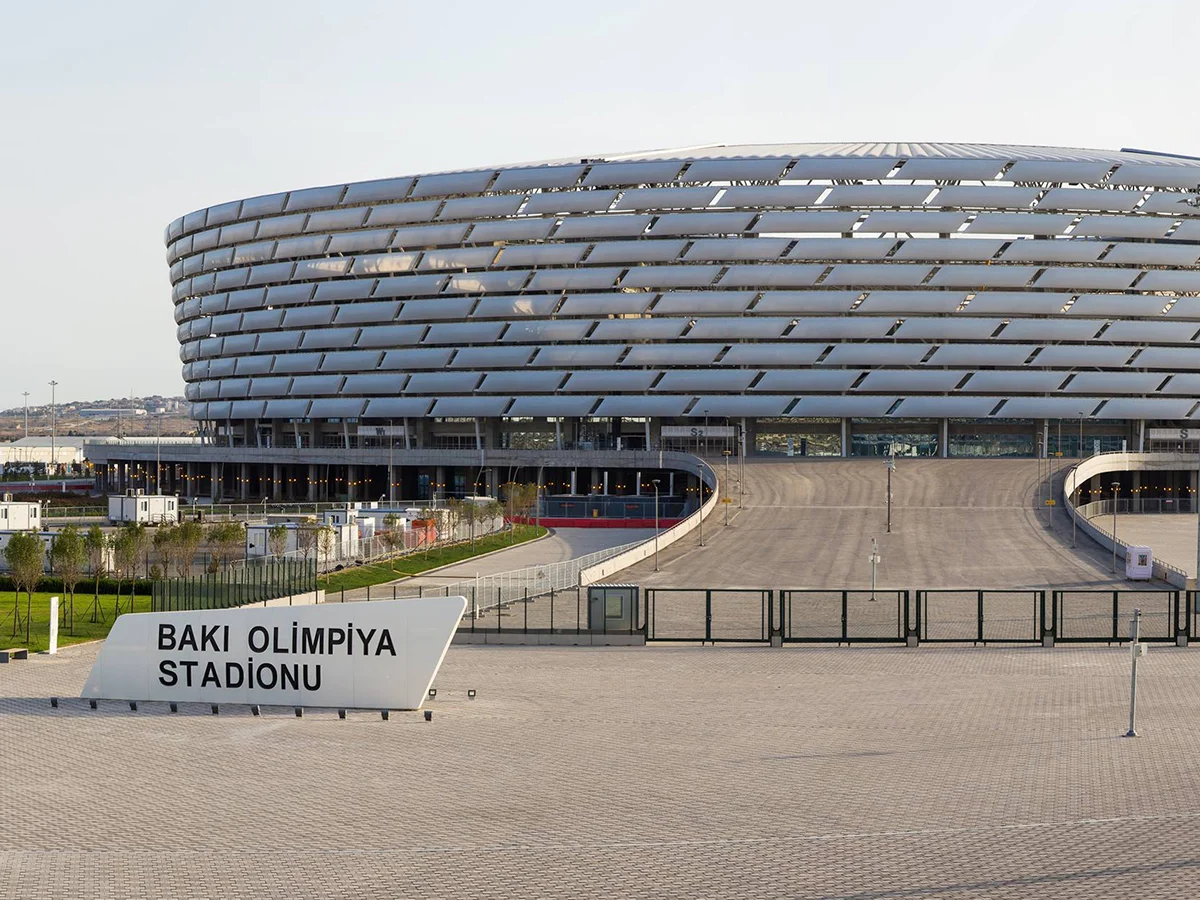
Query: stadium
pixel 953 300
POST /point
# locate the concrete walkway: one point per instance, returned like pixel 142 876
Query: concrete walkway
pixel 562 544
pixel 1171 536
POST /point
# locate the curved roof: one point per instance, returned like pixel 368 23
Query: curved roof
pixel 912 150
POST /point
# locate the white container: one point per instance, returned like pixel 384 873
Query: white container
pixel 1139 563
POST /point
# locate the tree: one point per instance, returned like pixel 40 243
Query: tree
pixel 125 559
pixel 68 556
pixel 521 499
pixel 96 545
pixel 326 536
pixel 225 541
pixel 392 536
pixel 140 538
pixel 166 545
pixel 189 536
pixel 277 540
pixel 24 554
pixel 306 536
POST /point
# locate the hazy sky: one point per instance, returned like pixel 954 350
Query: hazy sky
pixel 119 116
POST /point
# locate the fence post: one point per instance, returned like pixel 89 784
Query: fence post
pixel 845 616
pixel 1181 632
pixel 708 615
pixel 912 636
pixel 1116 634
pixel 526 611
pixel 1049 633
pixel 551 609
pixel 980 631
pixel 368 593
pixel 578 624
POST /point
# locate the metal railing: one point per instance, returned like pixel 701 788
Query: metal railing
pixel 1137 505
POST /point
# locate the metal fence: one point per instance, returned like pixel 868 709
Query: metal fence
pixel 235 587
pixel 489 592
pixel 1137 505
pixel 965 616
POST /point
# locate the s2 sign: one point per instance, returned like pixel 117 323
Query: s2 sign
pixel 380 655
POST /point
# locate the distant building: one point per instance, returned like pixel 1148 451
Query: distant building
pixel 99 413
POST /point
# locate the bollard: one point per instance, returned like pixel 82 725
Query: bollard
pixel 174 707
pixel 133 705
pixel 54 703
pixel 1134 650
pixel 92 704
pixel 254 710
pixel 429 715
pixel 383 714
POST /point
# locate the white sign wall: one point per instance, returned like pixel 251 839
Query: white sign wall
pixel 379 655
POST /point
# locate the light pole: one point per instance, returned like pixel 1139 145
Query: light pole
pixel 25 394
pixel 391 444
pixel 891 469
pixel 655 483
pixel 725 498
pixel 1116 486
pixel 874 563
pixel 158 455
pixel 1075 481
pixel 53 426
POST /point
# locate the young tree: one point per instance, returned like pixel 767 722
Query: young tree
pixel 326 539
pixel 306 537
pixel 225 540
pixel 189 536
pixel 392 536
pixel 166 545
pixel 125 560
pixel 68 556
pixel 521 499
pixel 277 540
pixel 96 545
pixel 24 554
pixel 139 537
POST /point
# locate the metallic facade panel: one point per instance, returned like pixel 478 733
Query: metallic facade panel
pixel 702 302
pixel 375 383
pixel 515 307
pixel 574 279
pixel 1147 408
pixel 913 222
pixel 1056 250
pixel 1163 280
pixel 941 407
pixel 947 328
pixel 604 174
pixel 463 333
pixel 877 195
pixel 1139 174
pixel 1020 223
pixel 1017 303
pixel 1152 332
pixel 1090 278
pixel 735 169
pixel 524 382
pixel 1114 383
pixel 876 355
pixel 838 327
pixel 361 240
pixel 416 358
pixel 985 197
pixel 417 237
pixel 867 275
pixel 492 357
pixel 941 169
pixel 397 407
pixel 563 405
pixel 667 198
pixel 939 249
pixel 925 302
pixel 1141 253
pixel 769 276
pixel 1067 355
pixel 442 382
pixel 683 380
pixel 314 198
pixel 625 225
pixel 611 380
pixel 735 249
pixel 384 263
pixel 480 207
pixel 825 168
pixel 569 202
pixel 632 405
pixel 337 407
pixel 749 327
pixel 1117 305
pixel 537 177
pixel 605 304
pixel 1060 407
pixel 1089 198
pixel 830 222
pixel 638 329
pixel 541 255
pixel 807 381
pixel 635 251
pixel 569 357
pixel 1030 381
pixel 314 384
pixel 1051 329
pixel 764 354
pixel 470 406
pixel 546 332
pixel 906 380
pixel 767 196
pixel 983 276
pixel 1071 172
pixel 403 213
pixel 800 302
pixel 350 361
pixel 841 249
pixel 672 354
pixel 511 230
pixel 1122 226
pixel 453 183
pixel 360 313
pixel 377 191
pixel 980 355
pixel 841 405
pixel 384 336
pixel 749 405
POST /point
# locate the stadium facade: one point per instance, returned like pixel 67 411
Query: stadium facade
pixel 841 299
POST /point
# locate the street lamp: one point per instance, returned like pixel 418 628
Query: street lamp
pixel 1075 481
pixel 53 427
pixel 655 483
pixel 1116 486
pixel 891 469
pixel 725 498
pixel 391 444
pixel 158 456
pixel 25 394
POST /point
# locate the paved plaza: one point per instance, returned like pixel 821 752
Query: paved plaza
pixel 627 772
pixel 1171 536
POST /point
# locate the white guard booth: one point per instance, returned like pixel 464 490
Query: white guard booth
pixel 379 655
pixel 149 509
pixel 1139 563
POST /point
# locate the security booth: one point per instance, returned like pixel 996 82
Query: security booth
pixel 612 607
pixel 1139 563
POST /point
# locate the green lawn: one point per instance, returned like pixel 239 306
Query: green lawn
pixel 413 564
pixel 39 630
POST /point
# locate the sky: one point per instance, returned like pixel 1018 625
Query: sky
pixel 118 117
